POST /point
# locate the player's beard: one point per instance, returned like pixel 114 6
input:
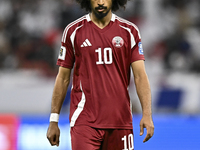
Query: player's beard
pixel 101 15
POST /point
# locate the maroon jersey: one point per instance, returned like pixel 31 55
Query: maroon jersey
pixel 101 59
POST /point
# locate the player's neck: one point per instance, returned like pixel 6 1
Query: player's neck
pixel 101 23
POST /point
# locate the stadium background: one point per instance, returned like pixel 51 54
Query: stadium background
pixel 30 34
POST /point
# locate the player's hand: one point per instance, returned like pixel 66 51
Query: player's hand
pixel 147 122
pixel 53 133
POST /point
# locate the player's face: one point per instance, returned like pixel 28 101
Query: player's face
pixel 101 7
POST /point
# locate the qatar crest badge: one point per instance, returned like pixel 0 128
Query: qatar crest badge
pixel 117 41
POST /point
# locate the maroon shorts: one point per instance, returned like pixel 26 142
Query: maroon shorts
pixel 88 138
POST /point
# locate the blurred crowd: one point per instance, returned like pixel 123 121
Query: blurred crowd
pixel 30 31
pixel 179 45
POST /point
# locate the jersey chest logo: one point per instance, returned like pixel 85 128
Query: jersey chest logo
pixel 86 43
pixel 117 41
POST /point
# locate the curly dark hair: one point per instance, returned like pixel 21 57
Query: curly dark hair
pixel 85 4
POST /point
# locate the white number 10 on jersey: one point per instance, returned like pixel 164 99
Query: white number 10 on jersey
pixel 107 56
pixel 128 139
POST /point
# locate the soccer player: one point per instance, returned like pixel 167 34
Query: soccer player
pixel 102 49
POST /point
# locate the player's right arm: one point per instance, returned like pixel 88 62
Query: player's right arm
pixel 59 93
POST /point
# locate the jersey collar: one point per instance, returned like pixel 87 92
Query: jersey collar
pixel 89 19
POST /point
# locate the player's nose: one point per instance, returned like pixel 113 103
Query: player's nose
pixel 100 2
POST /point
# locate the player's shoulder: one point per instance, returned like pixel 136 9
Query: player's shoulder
pixel 78 22
pixel 71 27
pixel 125 23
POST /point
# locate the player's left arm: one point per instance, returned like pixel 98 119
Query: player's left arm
pixel 144 94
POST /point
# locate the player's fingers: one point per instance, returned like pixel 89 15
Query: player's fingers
pixel 150 132
pixel 53 134
pixel 141 130
pixel 147 138
pixel 52 139
pixel 48 137
pixel 57 140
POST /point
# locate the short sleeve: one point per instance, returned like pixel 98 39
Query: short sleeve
pixel 66 55
pixel 137 52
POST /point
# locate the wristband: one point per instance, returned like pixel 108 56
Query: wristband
pixel 54 117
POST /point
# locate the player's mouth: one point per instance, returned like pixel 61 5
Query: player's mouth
pixel 100 9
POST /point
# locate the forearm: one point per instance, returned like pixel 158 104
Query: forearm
pixel 144 94
pixel 58 96
pixel 59 92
